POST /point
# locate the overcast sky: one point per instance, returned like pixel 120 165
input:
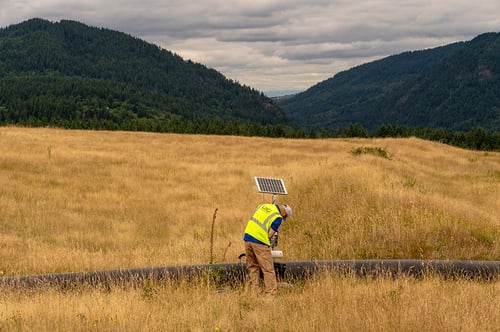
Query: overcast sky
pixel 276 45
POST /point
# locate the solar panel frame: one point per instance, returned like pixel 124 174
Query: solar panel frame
pixel 270 185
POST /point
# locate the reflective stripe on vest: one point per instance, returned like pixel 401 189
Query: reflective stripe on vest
pixel 259 224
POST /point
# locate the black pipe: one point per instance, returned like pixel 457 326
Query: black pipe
pixel 395 267
pixel 224 272
pixel 286 270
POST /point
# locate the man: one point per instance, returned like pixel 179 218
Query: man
pixel 261 227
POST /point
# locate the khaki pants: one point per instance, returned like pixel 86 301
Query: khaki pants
pixel 258 258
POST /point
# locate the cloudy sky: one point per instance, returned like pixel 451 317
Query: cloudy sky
pixel 276 45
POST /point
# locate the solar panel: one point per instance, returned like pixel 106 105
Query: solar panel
pixel 271 186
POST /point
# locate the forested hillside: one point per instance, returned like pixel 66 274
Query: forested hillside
pixel 454 87
pixel 73 75
pixel 70 75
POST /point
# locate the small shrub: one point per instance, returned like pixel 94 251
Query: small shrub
pixel 376 151
pixel 148 289
pixel 409 182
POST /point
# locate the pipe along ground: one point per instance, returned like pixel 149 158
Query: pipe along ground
pixel 232 273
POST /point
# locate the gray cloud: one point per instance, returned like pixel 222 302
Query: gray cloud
pixel 276 44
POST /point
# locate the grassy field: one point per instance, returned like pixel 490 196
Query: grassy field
pixel 87 200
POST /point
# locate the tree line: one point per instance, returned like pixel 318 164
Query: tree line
pixel 478 138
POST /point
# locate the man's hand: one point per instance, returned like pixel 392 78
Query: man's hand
pixel 274 240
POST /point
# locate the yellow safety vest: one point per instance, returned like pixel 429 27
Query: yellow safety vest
pixel 259 224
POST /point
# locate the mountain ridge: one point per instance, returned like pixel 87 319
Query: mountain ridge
pixel 165 85
pixel 73 75
pixel 409 89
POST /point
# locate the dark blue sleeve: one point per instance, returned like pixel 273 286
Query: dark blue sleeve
pixel 276 224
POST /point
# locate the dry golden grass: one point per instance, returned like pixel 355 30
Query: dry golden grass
pixel 86 200
pixel 328 303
